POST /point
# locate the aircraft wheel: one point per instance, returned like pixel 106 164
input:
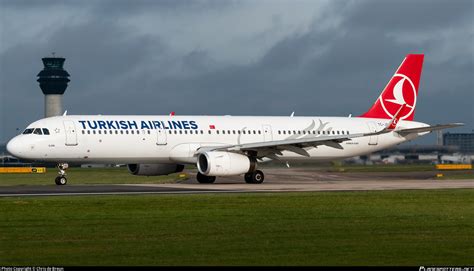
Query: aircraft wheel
pixel 205 179
pixel 255 177
pixel 60 180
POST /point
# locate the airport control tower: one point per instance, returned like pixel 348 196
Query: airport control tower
pixel 53 80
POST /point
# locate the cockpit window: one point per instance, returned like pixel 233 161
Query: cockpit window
pixel 45 131
pixel 28 131
pixel 37 131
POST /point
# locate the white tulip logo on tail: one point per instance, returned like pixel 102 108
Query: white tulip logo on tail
pixel 402 93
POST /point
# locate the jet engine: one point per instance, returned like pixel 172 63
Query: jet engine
pixel 154 169
pixel 224 163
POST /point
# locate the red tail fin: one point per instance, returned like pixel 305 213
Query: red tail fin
pixel 401 89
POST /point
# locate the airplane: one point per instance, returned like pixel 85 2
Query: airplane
pixel 226 145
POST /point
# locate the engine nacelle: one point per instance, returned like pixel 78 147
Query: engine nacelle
pixel 154 169
pixel 224 163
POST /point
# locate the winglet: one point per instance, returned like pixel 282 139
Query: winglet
pixel 393 123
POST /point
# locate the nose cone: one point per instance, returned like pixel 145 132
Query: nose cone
pixel 15 147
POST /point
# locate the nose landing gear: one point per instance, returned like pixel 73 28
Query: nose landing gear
pixel 61 179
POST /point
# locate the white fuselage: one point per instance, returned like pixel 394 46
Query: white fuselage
pixel 175 139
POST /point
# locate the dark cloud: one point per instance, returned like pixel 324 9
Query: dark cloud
pixel 337 66
pixel 407 15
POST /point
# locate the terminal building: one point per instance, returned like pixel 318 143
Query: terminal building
pixel 456 148
pixel 465 141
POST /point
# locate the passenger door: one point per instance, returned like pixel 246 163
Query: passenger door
pixel 373 140
pixel 161 137
pixel 71 134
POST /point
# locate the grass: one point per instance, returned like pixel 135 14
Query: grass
pixel 447 174
pixel 86 176
pixel 457 175
pixel 382 168
pixel 338 228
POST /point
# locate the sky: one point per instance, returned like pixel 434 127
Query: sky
pixel 226 57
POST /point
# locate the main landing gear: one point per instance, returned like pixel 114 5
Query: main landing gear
pixel 254 177
pixel 61 179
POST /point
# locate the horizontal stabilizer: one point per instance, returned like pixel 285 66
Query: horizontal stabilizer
pixel 429 128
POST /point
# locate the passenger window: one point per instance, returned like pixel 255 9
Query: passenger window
pixel 93 131
pixel 88 132
pixel 217 131
pixel 202 132
pixel 223 132
pixel 209 131
pixel 45 131
pixel 132 132
pixel 99 132
pixel 254 132
pixel 105 132
pixel 186 132
pixel 259 132
pixel 83 132
pixel 180 132
pixel 243 132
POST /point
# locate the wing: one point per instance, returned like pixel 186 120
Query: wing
pixel 272 148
